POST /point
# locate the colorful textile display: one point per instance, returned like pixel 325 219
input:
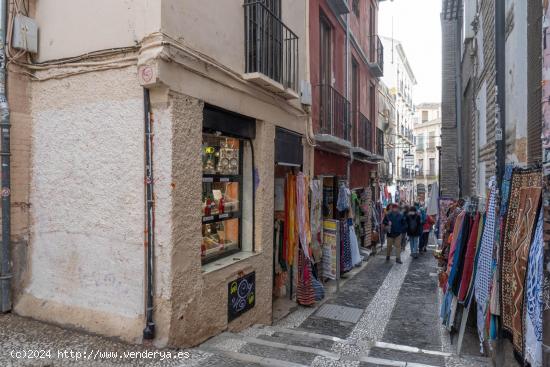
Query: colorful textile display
pixel 514 264
pixel 346 263
pixel 484 264
pixel 533 298
pixel 515 245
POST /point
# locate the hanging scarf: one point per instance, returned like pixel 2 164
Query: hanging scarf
pixel 305 294
pixel 290 213
pixel 301 213
pixel 316 220
pixel 533 298
pixel 345 248
pixel 469 260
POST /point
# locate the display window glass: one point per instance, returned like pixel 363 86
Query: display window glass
pixel 222 187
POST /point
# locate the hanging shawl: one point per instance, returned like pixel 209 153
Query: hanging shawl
pixel 457 230
pixel 302 213
pixel 469 260
pixel 484 264
pixel 344 194
pixel 533 298
pixel 458 259
pixel 316 220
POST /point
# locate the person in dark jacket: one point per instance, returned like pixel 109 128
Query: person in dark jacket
pixel 395 225
pixel 414 229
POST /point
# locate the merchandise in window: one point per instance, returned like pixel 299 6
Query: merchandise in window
pixel 222 184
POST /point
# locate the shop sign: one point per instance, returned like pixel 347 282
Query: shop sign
pixel 331 258
pixel 241 295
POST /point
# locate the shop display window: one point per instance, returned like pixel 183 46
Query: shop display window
pixel 222 186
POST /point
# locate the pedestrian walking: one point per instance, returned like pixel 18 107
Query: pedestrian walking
pixel 414 229
pixel 395 225
pixel 427 228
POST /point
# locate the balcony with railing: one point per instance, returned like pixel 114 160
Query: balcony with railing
pixel 363 138
pixel 379 142
pixel 271 51
pixel 376 56
pixel 334 117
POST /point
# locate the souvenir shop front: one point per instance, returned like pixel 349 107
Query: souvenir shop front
pixel 297 248
pixel 344 212
pixel 491 265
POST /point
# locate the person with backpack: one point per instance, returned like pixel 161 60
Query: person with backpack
pixel 395 226
pixel 414 229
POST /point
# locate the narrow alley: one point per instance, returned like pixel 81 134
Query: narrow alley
pixel 275 183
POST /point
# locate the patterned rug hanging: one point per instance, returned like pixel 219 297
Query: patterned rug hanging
pixel 517 233
pixel 533 298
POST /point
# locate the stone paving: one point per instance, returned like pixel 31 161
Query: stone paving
pixel 394 308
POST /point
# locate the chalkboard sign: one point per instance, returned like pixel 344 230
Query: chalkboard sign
pixel 241 295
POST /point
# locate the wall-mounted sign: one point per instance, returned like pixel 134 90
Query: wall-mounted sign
pixel 409 160
pixel 241 295
pixel 331 250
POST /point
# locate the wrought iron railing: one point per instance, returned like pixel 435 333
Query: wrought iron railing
pixel 271 48
pixel 334 112
pixel 379 142
pixel 377 52
pixel 364 133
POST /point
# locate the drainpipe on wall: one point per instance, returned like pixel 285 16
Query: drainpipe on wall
pixel 458 75
pixel 348 97
pixel 149 330
pixel 5 268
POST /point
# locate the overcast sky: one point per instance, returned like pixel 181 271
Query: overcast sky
pixel 416 23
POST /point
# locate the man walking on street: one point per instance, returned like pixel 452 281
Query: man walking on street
pixel 395 225
pixel 414 229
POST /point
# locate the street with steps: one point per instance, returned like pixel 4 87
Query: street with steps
pixel 385 315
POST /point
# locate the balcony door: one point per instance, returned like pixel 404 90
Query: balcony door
pixel 265 38
pixel 325 74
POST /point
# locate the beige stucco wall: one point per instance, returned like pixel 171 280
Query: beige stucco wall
pixel 74 27
pixel 85 257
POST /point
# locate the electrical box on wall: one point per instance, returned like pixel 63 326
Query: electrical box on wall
pixel 25 34
pixel 305 92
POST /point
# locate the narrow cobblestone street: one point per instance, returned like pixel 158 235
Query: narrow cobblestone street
pixel 386 315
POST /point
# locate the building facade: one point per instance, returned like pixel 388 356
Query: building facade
pixel 427 131
pixel 347 60
pixel 386 121
pixel 143 148
pixel 399 78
